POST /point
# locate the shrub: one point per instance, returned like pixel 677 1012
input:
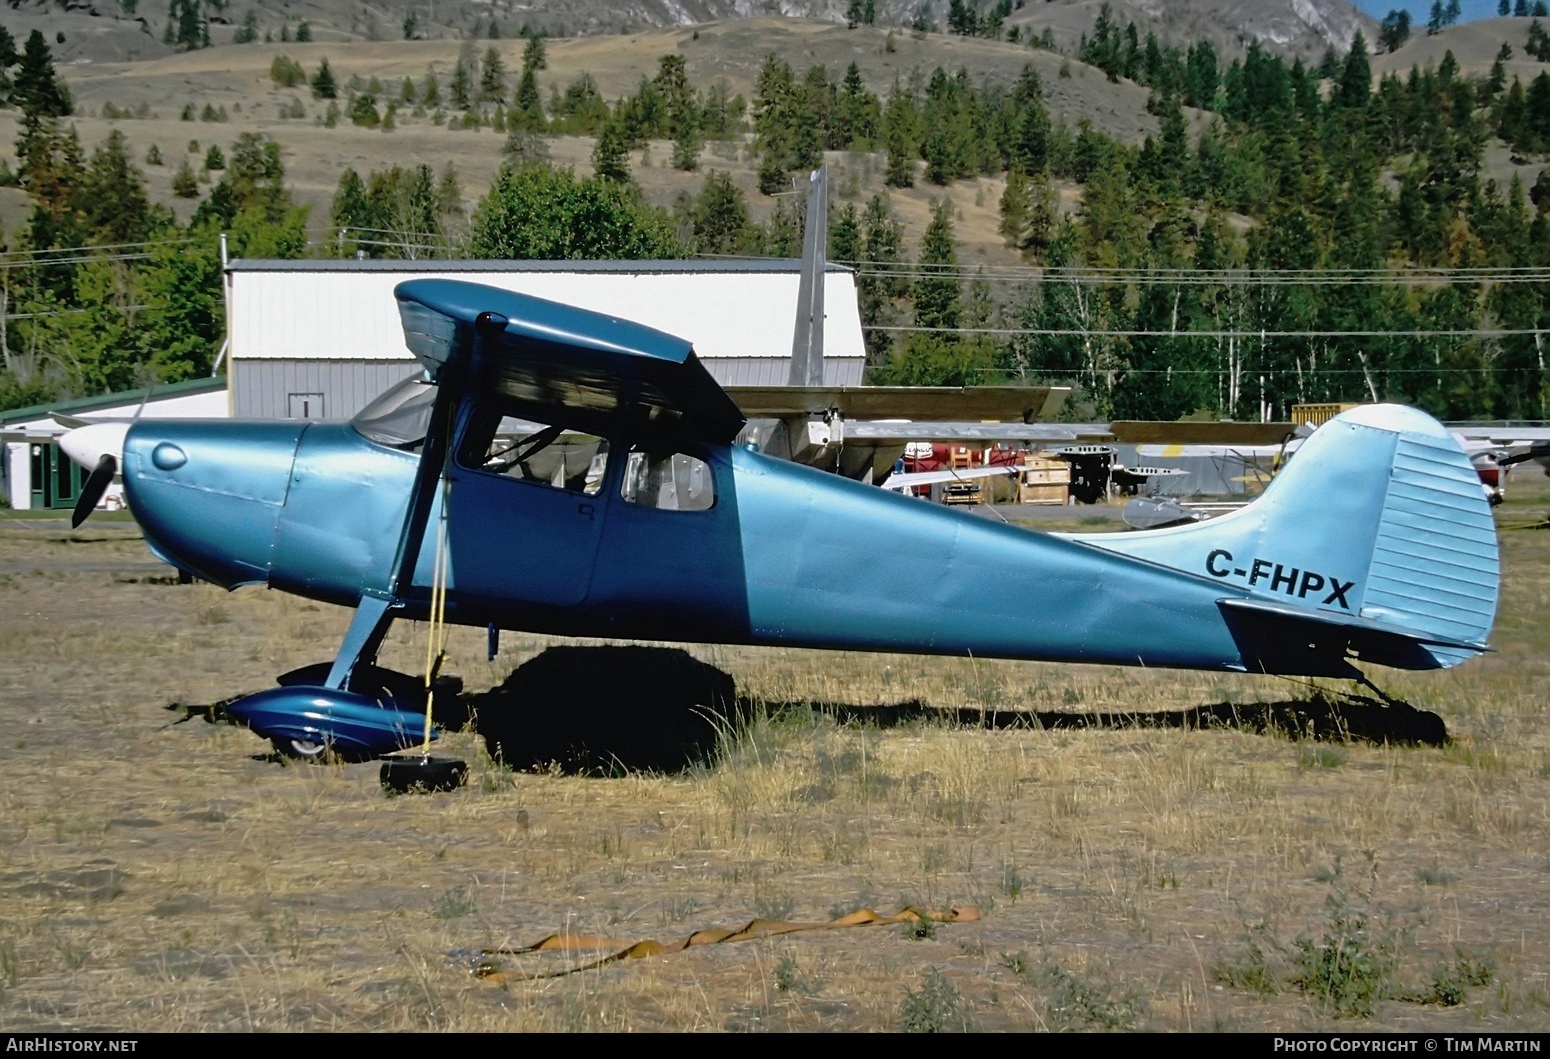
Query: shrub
pixel 286 72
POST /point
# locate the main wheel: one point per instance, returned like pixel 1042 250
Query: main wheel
pixel 301 749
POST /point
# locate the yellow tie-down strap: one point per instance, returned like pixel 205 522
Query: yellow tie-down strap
pixel 489 966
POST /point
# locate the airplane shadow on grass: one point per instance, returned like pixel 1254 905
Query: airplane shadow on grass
pixel 608 710
pixel 611 710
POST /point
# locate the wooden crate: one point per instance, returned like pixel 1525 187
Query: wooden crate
pixel 1044 481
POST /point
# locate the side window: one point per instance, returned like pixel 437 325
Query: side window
pixel 530 452
pixel 668 481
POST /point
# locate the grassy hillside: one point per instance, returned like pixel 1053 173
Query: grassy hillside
pixel 236 79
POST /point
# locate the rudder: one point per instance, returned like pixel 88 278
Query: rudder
pixel 1378 526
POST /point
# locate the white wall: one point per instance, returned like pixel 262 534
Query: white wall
pixel 334 314
pixel 16 456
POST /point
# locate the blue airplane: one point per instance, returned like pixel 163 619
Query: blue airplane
pixel 561 471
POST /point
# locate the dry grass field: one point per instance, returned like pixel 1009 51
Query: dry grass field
pixel 158 872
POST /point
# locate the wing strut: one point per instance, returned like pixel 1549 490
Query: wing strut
pixel 807 341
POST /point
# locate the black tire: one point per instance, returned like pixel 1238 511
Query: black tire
pixel 422 775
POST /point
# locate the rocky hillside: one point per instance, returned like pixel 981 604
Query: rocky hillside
pixel 120 30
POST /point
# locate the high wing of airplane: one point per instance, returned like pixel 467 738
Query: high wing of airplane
pixel 1498 447
pixel 562 471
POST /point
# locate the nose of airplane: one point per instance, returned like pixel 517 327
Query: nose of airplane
pixel 208 492
pixel 87 445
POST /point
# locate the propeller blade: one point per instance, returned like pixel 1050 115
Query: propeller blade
pixel 91 492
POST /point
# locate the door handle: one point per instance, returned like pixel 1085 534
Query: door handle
pixel 585 509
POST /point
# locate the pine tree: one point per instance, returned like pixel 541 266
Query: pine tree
pixel 610 155
pixel 184 184
pixel 963 18
pixel 686 138
pixel 845 234
pixel 938 295
pixel 900 138
pixel 774 177
pixel 878 285
pixel 1030 145
pixel 1395 30
pixel 364 111
pixel 350 213
pixel 1355 83
pixel 37 90
pixel 323 84
pixel 534 56
pixel 186 26
pixel 720 216
pixel 1043 214
pixel 112 193
pixel 1202 76
pixel 247 33
pixel 460 86
pixel 492 78
pixel 1014 208
pixel 773 122
pixel 528 110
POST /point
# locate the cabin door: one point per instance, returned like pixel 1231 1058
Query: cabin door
pixel 526 513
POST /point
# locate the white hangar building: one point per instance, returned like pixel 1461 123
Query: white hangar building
pixel 35 473
pixel 319 339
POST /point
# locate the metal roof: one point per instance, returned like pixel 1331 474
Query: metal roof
pixel 717 265
pixel 78 405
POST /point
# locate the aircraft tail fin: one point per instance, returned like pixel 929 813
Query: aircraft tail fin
pixel 1375 541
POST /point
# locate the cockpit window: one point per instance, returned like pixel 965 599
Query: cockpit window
pixel 531 452
pixel 667 481
pixel 401 416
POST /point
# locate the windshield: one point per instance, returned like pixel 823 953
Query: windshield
pixel 399 417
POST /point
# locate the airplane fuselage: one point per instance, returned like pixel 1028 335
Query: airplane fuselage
pixel 781 555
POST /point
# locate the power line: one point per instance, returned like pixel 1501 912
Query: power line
pixel 75 312
pixel 1050 332
pixel 21 258
pixel 1215 278
pixel 1034 271
pixel 1023 274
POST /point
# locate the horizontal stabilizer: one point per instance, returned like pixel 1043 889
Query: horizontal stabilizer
pixel 1280 637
